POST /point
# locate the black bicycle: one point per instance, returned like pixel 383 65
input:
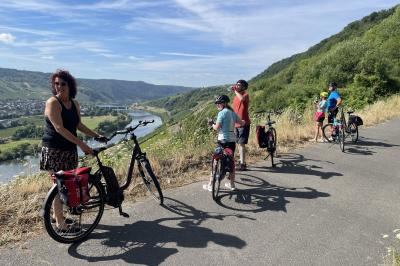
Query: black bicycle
pixel 103 188
pixel 341 128
pixel 267 138
pixel 222 162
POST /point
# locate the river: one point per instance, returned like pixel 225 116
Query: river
pixel 30 165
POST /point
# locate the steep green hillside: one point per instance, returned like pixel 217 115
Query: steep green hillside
pixel 364 59
pixel 17 84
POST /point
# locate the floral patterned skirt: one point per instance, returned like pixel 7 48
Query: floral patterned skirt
pixel 55 160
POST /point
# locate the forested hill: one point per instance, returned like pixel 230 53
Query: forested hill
pixel 364 59
pixel 20 84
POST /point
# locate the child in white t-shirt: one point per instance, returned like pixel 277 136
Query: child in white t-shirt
pixel 319 116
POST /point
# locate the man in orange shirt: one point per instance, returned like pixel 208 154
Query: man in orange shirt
pixel 241 107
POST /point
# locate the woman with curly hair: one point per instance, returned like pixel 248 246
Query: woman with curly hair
pixel 60 141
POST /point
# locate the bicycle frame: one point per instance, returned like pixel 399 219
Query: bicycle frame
pixel 135 155
pixel 85 217
pixel 272 131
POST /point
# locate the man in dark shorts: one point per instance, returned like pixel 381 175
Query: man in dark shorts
pixel 241 107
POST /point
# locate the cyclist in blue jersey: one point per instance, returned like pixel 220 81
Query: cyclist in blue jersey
pixel 333 101
pixel 225 125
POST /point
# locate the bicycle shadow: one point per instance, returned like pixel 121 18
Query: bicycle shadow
pixel 263 196
pixel 149 242
pixel 293 163
pixel 368 146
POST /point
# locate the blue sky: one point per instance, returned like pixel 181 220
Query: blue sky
pixel 181 42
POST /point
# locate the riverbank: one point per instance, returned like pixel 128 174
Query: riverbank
pixel 176 161
pixel 20 167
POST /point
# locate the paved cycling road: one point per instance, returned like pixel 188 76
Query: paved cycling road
pixel 318 207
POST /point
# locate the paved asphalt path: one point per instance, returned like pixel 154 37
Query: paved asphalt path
pixel 319 206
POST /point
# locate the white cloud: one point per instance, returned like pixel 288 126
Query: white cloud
pixel 187 55
pixel 30 31
pixel 47 57
pixel 6 38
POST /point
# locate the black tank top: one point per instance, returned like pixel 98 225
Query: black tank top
pixel 70 120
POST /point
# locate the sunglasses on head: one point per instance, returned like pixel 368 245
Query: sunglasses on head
pixel 62 84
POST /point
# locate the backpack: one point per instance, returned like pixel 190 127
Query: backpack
pixel 73 186
pixel 262 138
pixel 356 120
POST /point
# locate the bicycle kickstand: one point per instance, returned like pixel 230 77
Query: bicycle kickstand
pixel 124 214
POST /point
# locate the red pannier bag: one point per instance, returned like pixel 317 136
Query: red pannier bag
pixel 73 186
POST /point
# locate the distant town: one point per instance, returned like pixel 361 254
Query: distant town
pixel 10 110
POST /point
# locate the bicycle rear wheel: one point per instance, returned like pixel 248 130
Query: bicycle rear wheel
pixel 150 180
pixel 79 221
pixel 217 175
pixel 353 128
pixel 327 132
pixel 272 145
pixel 341 137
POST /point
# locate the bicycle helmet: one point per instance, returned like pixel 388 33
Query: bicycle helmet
pixel 323 94
pixel 222 99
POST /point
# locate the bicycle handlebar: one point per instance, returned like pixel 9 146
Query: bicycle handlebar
pixel 270 112
pixel 125 131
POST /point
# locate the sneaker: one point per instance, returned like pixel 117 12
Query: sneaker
pixel 321 140
pixel 330 139
pixel 207 187
pixel 230 186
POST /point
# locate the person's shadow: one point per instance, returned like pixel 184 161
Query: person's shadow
pixel 258 195
pixel 144 242
pixel 292 163
pixel 367 146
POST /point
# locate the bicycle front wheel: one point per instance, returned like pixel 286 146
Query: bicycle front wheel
pixel 150 180
pixel 217 175
pixel 353 128
pixel 327 132
pixel 79 221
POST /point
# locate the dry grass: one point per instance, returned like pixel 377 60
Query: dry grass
pixel 381 111
pixel 21 200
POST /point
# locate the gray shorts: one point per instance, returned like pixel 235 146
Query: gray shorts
pixel 242 134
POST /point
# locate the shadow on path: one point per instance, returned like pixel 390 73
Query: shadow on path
pixel 367 146
pixel 262 196
pixel 293 163
pixel 144 242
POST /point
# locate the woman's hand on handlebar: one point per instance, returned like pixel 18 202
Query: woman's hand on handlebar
pixel 85 148
pixel 101 139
